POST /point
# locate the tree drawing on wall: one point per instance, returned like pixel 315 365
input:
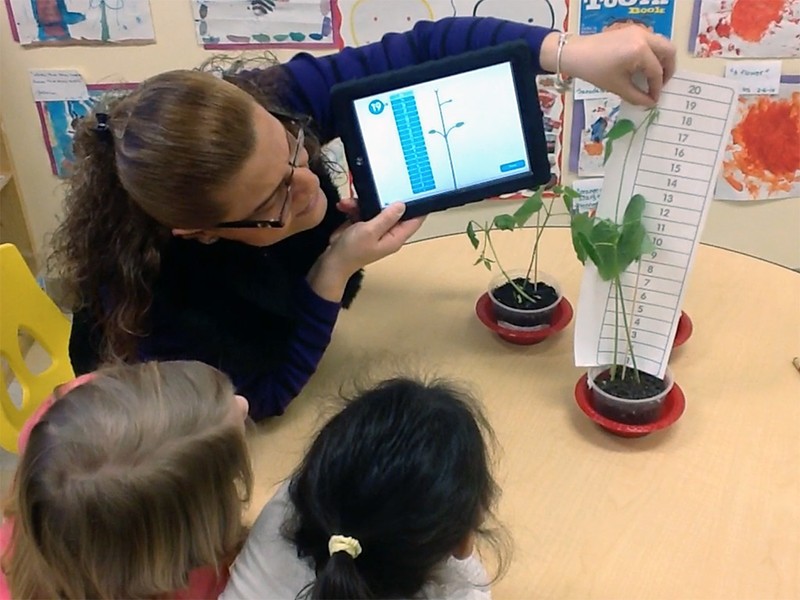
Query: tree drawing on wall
pixel 445 133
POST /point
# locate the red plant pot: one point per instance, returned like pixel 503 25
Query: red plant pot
pixel 671 410
pixel 562 315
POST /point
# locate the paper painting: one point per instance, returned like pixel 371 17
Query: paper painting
pixel 240 24
pixel 365 21
pixel 58 119
pixel 80 22
pixel 762 157
pixel 746 28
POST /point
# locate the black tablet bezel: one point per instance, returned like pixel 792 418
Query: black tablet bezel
pixel 517 53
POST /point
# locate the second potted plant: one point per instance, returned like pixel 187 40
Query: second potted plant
pixel 521 305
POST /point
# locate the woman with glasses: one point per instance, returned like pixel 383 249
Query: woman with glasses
pixel 200 217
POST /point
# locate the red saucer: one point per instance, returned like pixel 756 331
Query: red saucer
pixel 674 404
pixel 562 315
pixel 684 331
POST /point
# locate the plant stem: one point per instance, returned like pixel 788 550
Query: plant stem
pixel 510 280
pixel 539 231
pixel 618 283
pixel 633 312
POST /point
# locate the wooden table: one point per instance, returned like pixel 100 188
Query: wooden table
pixel 709 508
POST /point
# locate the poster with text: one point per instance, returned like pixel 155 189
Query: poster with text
pixel 242 24
pixel 762 157
pixel 80 22
pixel 746 28
pixel 603 15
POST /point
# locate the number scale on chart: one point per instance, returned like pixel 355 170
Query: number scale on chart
pixel 674 164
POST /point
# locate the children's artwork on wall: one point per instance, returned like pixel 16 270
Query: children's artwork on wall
pixel 762 157
pixel 746 28
pixel 80 22
pixel 241 24
pixel 599 115
pixel 58 118
pixel 365 21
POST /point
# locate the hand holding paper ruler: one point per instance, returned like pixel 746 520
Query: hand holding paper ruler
pixel 674 163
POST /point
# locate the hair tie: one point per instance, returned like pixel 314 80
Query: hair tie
pixel 102 129
pixel 341 543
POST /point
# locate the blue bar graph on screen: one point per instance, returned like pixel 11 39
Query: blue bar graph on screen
pixel 412 141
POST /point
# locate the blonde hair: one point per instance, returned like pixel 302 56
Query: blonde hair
pixel 129 482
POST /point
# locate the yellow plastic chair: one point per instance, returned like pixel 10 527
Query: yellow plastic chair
pixel 24 306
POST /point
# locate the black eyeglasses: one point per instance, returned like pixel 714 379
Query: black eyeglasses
pixel 298 139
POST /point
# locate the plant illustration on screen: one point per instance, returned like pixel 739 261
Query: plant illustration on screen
pixel 445 133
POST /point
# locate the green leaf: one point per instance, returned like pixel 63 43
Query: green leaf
pixel 471 235
pixel 487 263
pixel 634 210
pixel 580 224
pixel 504 222
pixel 620 129
pixel 630 244
pixel 571 193
pixel 607 151
pixel 586 248
pixel 604 238
pixel 480 259
pixel 527 209
pixel 568 203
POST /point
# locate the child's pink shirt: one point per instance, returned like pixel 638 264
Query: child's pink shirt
pixel 204 583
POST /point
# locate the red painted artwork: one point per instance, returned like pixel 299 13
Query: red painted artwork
pixel 762 159
pixel 748 28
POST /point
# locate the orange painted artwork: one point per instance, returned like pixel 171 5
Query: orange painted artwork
pixel 762 158
pixel 748 28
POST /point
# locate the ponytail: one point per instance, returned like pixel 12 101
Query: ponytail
pixel 340 578
pixel 106 250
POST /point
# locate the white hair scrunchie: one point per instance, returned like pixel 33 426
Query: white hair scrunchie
pixel 341 543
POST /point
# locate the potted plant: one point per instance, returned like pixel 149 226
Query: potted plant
pixel 620 393
pixel 521 305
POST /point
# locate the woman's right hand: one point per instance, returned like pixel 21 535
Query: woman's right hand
pixel 612 58
pixel 355 245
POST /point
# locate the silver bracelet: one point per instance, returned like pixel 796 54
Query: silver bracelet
pixel 563 83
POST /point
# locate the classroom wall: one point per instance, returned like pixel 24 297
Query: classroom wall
pixel 769 230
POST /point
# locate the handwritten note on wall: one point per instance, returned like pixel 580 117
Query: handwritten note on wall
pixel 755 77
pixel 51 84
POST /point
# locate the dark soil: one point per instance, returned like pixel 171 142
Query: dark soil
pixel 544 294
pixel 629 388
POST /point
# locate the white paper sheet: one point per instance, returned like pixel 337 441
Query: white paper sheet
pixel 674 164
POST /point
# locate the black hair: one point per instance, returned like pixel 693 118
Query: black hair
pixel 405 469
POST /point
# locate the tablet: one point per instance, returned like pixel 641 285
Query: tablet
pixel 444 133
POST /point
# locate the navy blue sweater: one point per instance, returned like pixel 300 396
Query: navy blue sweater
pixel 247 310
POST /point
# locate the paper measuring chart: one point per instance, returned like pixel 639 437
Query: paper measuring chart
pixel 674 164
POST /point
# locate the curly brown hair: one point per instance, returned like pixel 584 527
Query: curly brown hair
pixel 172 143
